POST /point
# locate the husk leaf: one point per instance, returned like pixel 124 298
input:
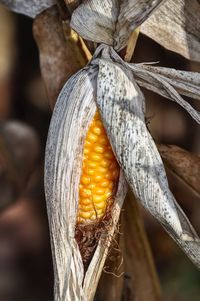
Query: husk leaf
pixel 29 8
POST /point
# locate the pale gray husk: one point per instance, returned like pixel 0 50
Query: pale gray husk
pixel 167 82
pixel 185 82
pixel 29 8
pixel 121 104
pixel 72 115
pixel 95 20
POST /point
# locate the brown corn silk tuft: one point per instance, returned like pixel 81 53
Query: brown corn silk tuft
pixel 97 188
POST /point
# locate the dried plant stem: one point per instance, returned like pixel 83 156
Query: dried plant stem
pixel 72 4
pixel 66 8
pixel 112 280
pixel 131 45
pixel 141 280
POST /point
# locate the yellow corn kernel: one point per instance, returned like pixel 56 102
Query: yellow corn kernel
pixel 97 130
pixel 109 175
pixel 91 164
pixel 92 137
pixel 105 183
pixel 85 193
pixel 96 157
pixel 86 151
pixel 101 170
pixel 98 148
pixel 85 180
pixel 98 190
pixel 90 171
pixel 85 215
pixel 105 163
pixel 98 198
pixel 100 173
pixel 87 144
pixel 100 205
pixel 97 178
pixel 85 201
pixel 86 208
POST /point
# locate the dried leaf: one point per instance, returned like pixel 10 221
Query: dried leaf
pixel 184 193
pixel 183 186
pixel 164 81
pixel 176 26
pixel 29 8
pixel 185 82
pixel 95 20
pixel 59 59
pixel 170 84
pixel 184 164
pixel 132 14
pixel 111 21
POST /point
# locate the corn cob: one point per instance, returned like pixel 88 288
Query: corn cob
pixel 100 173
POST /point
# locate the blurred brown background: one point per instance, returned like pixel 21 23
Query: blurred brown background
pixel 25 260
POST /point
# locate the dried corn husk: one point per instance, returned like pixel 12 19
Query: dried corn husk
pixel 132 13
pixel 111 21
pixel 186 83
pixel 166 82
pixel 110 82
pixel 121 104
pixel 29 8
pixel 169 83
pixel 173 24
pixel 184 165
pixel 73 113
pixel 176 26
pixel 95 20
